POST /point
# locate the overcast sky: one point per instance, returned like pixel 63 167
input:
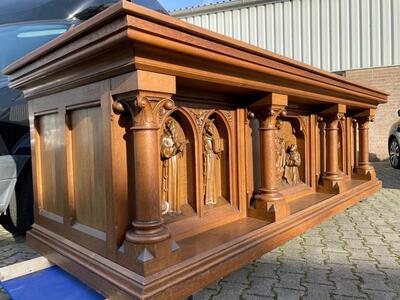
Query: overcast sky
pixel 175 4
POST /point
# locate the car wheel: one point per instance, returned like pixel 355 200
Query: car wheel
pixel 19 215
pixel 394 153
pixel 9 219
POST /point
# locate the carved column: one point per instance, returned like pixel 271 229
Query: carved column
pixel 332 179
pixel 364 168
pixel 270 204
pixel 148 242
pixel 354 148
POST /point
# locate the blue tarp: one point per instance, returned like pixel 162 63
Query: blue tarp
pixel 51 283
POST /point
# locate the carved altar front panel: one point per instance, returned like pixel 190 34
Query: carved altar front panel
pixel 293 148
pixel 196 159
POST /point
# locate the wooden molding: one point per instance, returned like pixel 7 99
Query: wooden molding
pixel 154 36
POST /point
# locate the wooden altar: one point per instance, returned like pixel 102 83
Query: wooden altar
pixel 166 156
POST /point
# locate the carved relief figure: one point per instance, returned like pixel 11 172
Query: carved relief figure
pixel 293 161
pixel 212 149
pixel 280 152
pixel 288 158
pixel 340 148
pixel 173 168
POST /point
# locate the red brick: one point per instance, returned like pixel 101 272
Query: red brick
pixel 386 79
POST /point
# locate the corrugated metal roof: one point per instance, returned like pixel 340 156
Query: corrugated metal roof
pixel 217 5
pixel 334 35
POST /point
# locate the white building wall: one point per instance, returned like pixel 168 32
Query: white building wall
pixel 334 35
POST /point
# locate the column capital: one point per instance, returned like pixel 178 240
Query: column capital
pixel 333 115
pixel 364 169
pixel 363 118
pixel 145 112
pixel 268 108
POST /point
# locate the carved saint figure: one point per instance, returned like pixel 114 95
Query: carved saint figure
pixel 172 152
pixel 293 161
pixel 213 147
pixel 280 153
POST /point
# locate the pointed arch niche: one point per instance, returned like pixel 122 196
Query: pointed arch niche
pixel 216 162
pixel 292 162
pixel 293 151
pixel 322 148
pixel 177 159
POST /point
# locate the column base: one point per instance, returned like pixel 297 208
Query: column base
pixel 270 207
pixel 366 172
pixel 332 184
pixel 151 258
pixel 147 233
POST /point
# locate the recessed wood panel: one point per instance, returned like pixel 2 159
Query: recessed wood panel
pixel 49 144
pixel 88 184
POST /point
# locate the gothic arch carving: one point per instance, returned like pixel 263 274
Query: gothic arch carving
pixel 292 150
pixel 216 160
pixel 178 144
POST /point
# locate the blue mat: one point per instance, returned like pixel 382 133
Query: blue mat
pixel 48 284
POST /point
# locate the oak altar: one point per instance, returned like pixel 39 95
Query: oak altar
pixel 166 156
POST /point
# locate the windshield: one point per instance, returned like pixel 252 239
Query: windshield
pixel 17 40
pixel 20 39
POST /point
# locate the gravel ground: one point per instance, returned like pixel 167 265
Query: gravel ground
pixel 13 249
pixel 355 255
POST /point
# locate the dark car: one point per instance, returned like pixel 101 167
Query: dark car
pixel 24 26
pixel 394 144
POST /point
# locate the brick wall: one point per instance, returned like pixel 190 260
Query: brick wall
pixel 386 79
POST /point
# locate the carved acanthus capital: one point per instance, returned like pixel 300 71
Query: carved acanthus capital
pixel 144 111
pixel 363 118
pixel 332 115
pixel 268 116
pixel 332 120
pixel 363 122
pixel 123 107
pixel 268 109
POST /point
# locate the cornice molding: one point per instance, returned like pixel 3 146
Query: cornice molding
pixel 137 26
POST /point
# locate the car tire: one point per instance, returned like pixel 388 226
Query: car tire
pixel 7 222
pixel 394 153
pixel 19 215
